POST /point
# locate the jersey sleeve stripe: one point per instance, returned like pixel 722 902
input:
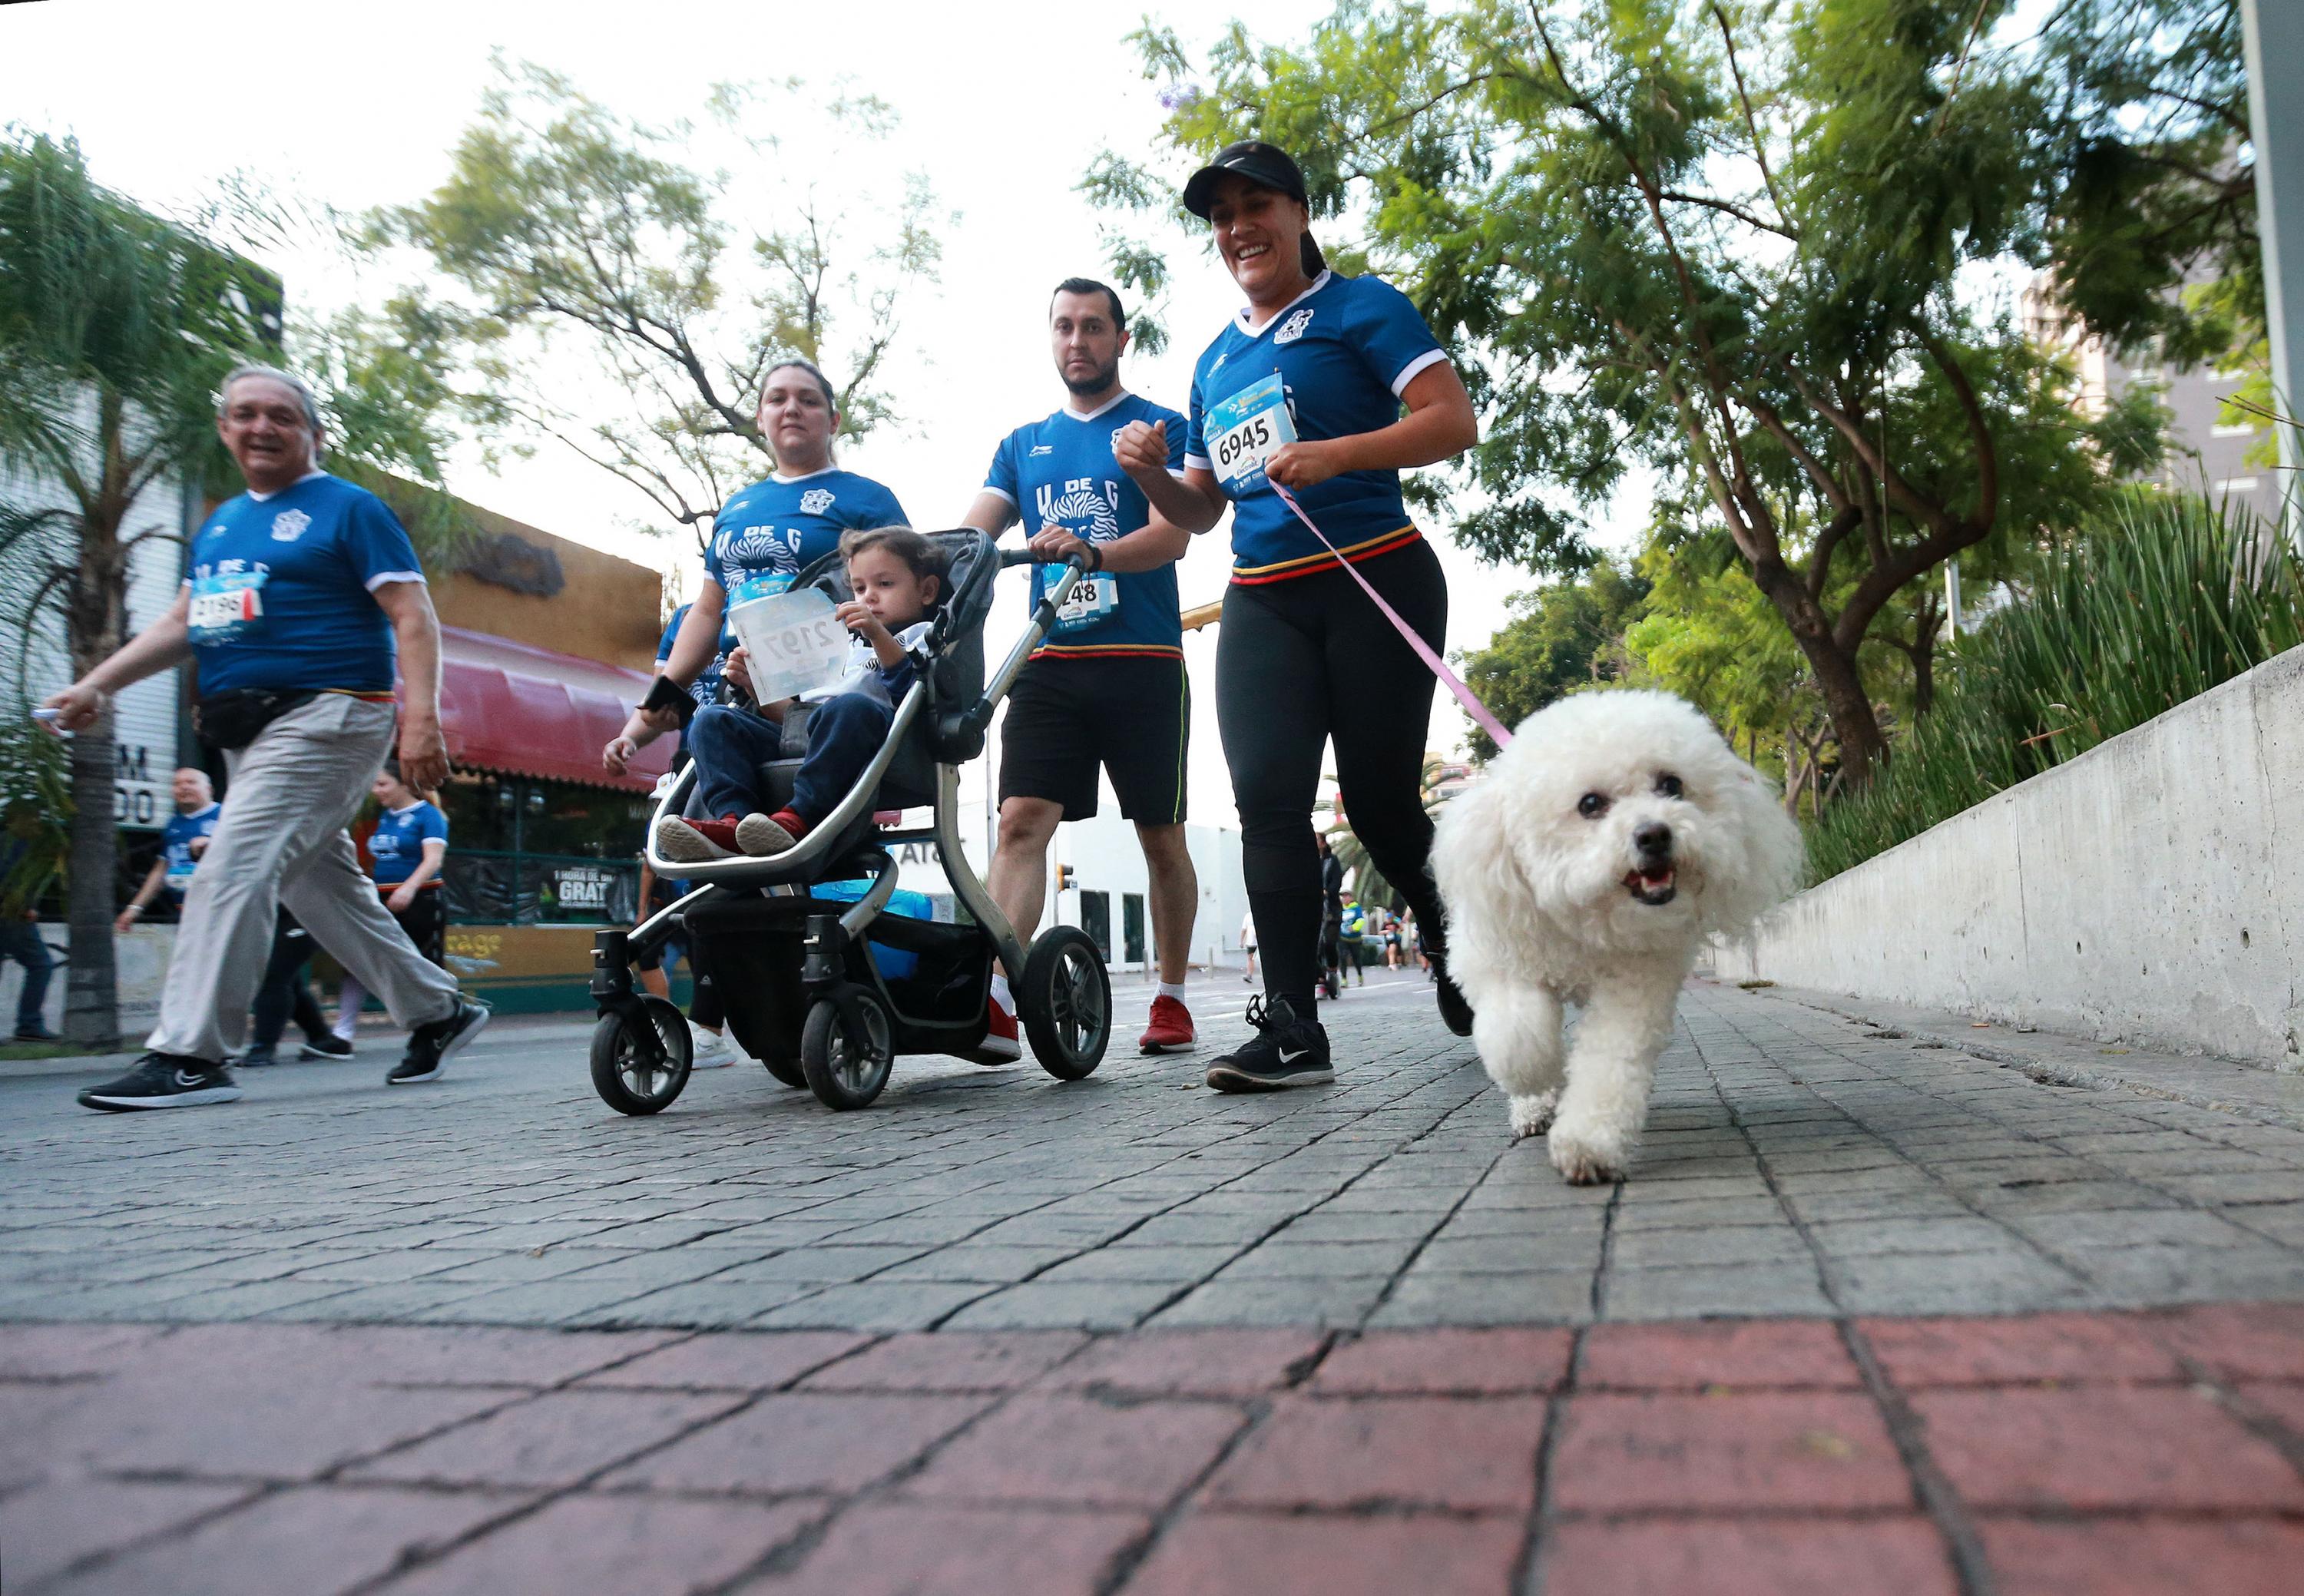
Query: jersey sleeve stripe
pixel 999 492
pixel 381 577
pixel 1430 357
pixel 1199 462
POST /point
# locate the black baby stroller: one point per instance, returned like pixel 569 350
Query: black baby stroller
pixel 796 973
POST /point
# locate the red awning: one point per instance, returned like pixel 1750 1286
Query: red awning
pixel 527 711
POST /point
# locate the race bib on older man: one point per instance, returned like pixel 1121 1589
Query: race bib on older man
pixel 226 605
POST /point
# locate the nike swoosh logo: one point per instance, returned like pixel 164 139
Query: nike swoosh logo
pixel 1288 1058
pixel 187 1079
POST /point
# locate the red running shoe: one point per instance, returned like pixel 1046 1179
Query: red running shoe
pixel 999 1045
pixel 1170 1029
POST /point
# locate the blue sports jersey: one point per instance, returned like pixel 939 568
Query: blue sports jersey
pixel 1332 364
pixel 769 532
pixel 1060 471
pixel 705 688
pixel 281 590
pixel 397 843
pixel 176 845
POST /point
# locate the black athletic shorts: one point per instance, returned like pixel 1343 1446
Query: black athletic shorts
pixel 1131 715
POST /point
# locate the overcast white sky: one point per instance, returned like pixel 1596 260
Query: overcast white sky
pixel 1003 107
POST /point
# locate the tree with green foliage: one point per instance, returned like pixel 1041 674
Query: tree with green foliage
pixel 116 326
pixel 1737 241
pixel 1560 637
pixel 567 234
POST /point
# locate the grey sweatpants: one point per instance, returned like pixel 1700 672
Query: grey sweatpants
pixel 281 838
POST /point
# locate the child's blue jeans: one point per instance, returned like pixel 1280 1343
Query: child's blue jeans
pixel 842 735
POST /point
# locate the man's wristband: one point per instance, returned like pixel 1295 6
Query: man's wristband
pixel 1095 550
pixel 137 910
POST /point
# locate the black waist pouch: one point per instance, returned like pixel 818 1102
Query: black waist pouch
pixel 234 717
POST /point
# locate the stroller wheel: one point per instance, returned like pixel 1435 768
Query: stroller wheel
pixel 846 1056
pixel 1065 1002
pixel 636 1072
pixel 787 1070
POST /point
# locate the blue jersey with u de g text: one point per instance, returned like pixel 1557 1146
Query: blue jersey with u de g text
pixel 281 590
pixel 1332 364
pixel 176 839
pixel 397 843
pixel 1061 471
pixel 771 531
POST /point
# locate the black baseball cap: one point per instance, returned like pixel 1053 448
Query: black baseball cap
pixel 1266 165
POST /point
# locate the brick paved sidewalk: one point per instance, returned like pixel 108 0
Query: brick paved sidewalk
pixel 1000 1333
pixel 2105 1453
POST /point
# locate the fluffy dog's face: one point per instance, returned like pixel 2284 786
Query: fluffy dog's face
pixel 1627 814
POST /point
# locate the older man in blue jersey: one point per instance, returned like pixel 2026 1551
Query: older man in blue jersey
pixel 300 593
pixel 1107 690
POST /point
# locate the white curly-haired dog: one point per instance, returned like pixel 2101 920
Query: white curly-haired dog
pixel 1610 837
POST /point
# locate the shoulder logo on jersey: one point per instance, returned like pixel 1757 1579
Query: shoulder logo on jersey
pixel 1040 449
pixel 289 525
pixel 1087 508
pixel 816 501
pixel 1294 328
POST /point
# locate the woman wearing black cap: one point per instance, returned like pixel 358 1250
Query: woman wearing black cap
pixel 1305 388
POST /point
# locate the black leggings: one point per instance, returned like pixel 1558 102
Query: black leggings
pixel 1299 662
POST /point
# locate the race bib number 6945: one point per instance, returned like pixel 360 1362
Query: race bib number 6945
pixel 1248 429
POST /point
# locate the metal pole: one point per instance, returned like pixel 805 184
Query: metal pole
pixel 2274 31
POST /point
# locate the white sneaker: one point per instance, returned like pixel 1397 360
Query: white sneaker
pixel 709 1049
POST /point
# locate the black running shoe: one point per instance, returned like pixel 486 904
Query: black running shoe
pixel 257 1057
pixel 1285 1051
pixel 163 1080
pixel 326 1046
pixel 1455 1009
pixel 431 1046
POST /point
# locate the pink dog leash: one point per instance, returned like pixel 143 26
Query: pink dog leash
pixel 1449 679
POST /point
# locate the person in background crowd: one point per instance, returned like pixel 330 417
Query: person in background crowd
pixel 1304 390
pixel 301 592
pixel 706 688
pixel 1355 945
pixel 285 992
pixel 710 1047
pixel 21 941
pixel 1332 913
pixel 409 845
pixel 1390 940
pixel 1106 689
pixel 182 840
pixel 1248 946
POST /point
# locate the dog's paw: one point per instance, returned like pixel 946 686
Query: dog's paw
pixel 1588 1155
pixel 1532 1115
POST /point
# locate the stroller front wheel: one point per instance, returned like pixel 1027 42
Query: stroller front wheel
pixel 1065 1002
pixel 633 1071
pixel 847 1047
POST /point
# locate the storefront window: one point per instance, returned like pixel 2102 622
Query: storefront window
pixel 525 850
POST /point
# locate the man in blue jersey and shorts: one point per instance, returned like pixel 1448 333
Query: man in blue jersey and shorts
pixel 302 592
pixel 1107 690
pixel 182 840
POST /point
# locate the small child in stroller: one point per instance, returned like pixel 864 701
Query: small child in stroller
pixel 896 576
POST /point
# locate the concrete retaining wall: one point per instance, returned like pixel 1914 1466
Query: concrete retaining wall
pixel 2151 890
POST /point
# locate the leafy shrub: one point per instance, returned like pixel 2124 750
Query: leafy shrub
pixel 2164 598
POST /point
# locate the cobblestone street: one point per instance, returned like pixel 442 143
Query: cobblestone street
pixel 1873 1312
